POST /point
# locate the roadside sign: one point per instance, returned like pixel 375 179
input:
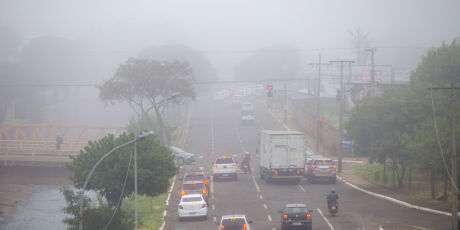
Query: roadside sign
pixel 346 144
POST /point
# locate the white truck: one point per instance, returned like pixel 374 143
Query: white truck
pixel 281 155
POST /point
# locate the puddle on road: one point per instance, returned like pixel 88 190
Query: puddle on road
pixel 41 211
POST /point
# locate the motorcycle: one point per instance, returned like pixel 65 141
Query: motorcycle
pixel 245 168
pixel 334 208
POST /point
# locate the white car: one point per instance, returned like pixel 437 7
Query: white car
pixel 224 167
pixel 234 222
pixel 192 205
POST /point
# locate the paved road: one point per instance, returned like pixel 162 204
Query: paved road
pixel 215 131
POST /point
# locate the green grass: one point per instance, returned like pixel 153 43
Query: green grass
pixel 420 183
pixel 147 218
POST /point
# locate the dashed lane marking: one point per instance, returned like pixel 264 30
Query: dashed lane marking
pixel 261 197
pixel 201 156
pixel 325 219
pixel 269 218
pixel 214 218
pixel 201 168
pixel 301 188
pixel 255 183
pixel 265 206
pixel 212 186
pixel 273 228
pixel 213 207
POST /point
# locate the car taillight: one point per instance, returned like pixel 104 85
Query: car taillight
pixel 222 227
pixel 215 166
pixel 285 216
pixel 244 227
pixel 333 166
pixel 204 191
pixel 182 192
pixel 180 207
pixel 234 165
pixel 308 216
pixel 313 166
pixel 298 171
pixel 206 182
pixel 204 205
pixel 276 172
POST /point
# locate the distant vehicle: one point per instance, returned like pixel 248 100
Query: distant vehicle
pixel 234 222
pixel 192 206
pixel 296 216
pixel 181 156
pixel 246 107
pixel 281 155
pixel 224 167
pixel 237 100
pixel 196 176
pixel 193 187
pixel 320 168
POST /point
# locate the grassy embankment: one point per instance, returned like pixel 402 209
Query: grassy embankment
pixel 419 188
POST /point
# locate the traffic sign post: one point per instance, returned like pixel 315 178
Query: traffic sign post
pixel 346 144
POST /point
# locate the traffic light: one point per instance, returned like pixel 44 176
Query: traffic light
pixel 270 88
pixel 321 121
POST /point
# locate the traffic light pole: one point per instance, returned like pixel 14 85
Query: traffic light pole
pixel 340 98
pixel 318 105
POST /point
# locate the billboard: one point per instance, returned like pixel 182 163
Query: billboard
pixel 362 74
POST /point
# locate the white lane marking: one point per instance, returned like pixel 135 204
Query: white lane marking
pixel 252 169
pixel 201 168
pixel 214 218
pixel 261 197
pixel 255 183
pixel 265 206
pixel 325 219
pixel 301 188
pixel 273 228
pixel 212 185
pixel 213 207
pixel 269 218
pixel 201 157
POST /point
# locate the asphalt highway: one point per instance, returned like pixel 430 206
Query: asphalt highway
pixel 215 131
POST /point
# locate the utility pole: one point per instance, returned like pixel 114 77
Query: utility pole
pixel 454 154
pixel 285 103
pixel 340 99
pixel 318 104
pixel 135 181
pixel 372 51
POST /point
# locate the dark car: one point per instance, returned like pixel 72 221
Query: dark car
pixel 196 176
pixel 296 216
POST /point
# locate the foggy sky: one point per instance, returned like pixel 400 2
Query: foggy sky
pixel 228 30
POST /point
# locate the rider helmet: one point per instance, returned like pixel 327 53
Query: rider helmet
pixel 332 190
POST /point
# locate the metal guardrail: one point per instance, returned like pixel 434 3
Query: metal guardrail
pixel 38 151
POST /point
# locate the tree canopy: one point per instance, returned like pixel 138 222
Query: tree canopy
pixel 155 167
pixel 399 124
pixel 149 85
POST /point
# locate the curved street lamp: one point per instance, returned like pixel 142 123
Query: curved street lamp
pixel 136 138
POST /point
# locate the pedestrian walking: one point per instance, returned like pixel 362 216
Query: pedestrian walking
pixel 59 142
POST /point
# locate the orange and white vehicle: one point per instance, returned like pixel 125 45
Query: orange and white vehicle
pixel 194 187
pixel 224 167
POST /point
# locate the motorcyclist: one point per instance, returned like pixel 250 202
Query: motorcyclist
pixel 246 161
pixel 332 197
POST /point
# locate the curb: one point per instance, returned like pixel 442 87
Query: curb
pixel 396 201
pixel 182 142
pixel 381 227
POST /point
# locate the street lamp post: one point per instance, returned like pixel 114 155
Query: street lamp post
pixel 98 162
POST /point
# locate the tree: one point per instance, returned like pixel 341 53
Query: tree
pixel 96 215
pixel 155 167
pixel 9 44
pixel 149 85
pixel 202 68
pixel 360 41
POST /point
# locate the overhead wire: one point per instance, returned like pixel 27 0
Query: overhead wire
pixel 454 185
pixel 121 195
